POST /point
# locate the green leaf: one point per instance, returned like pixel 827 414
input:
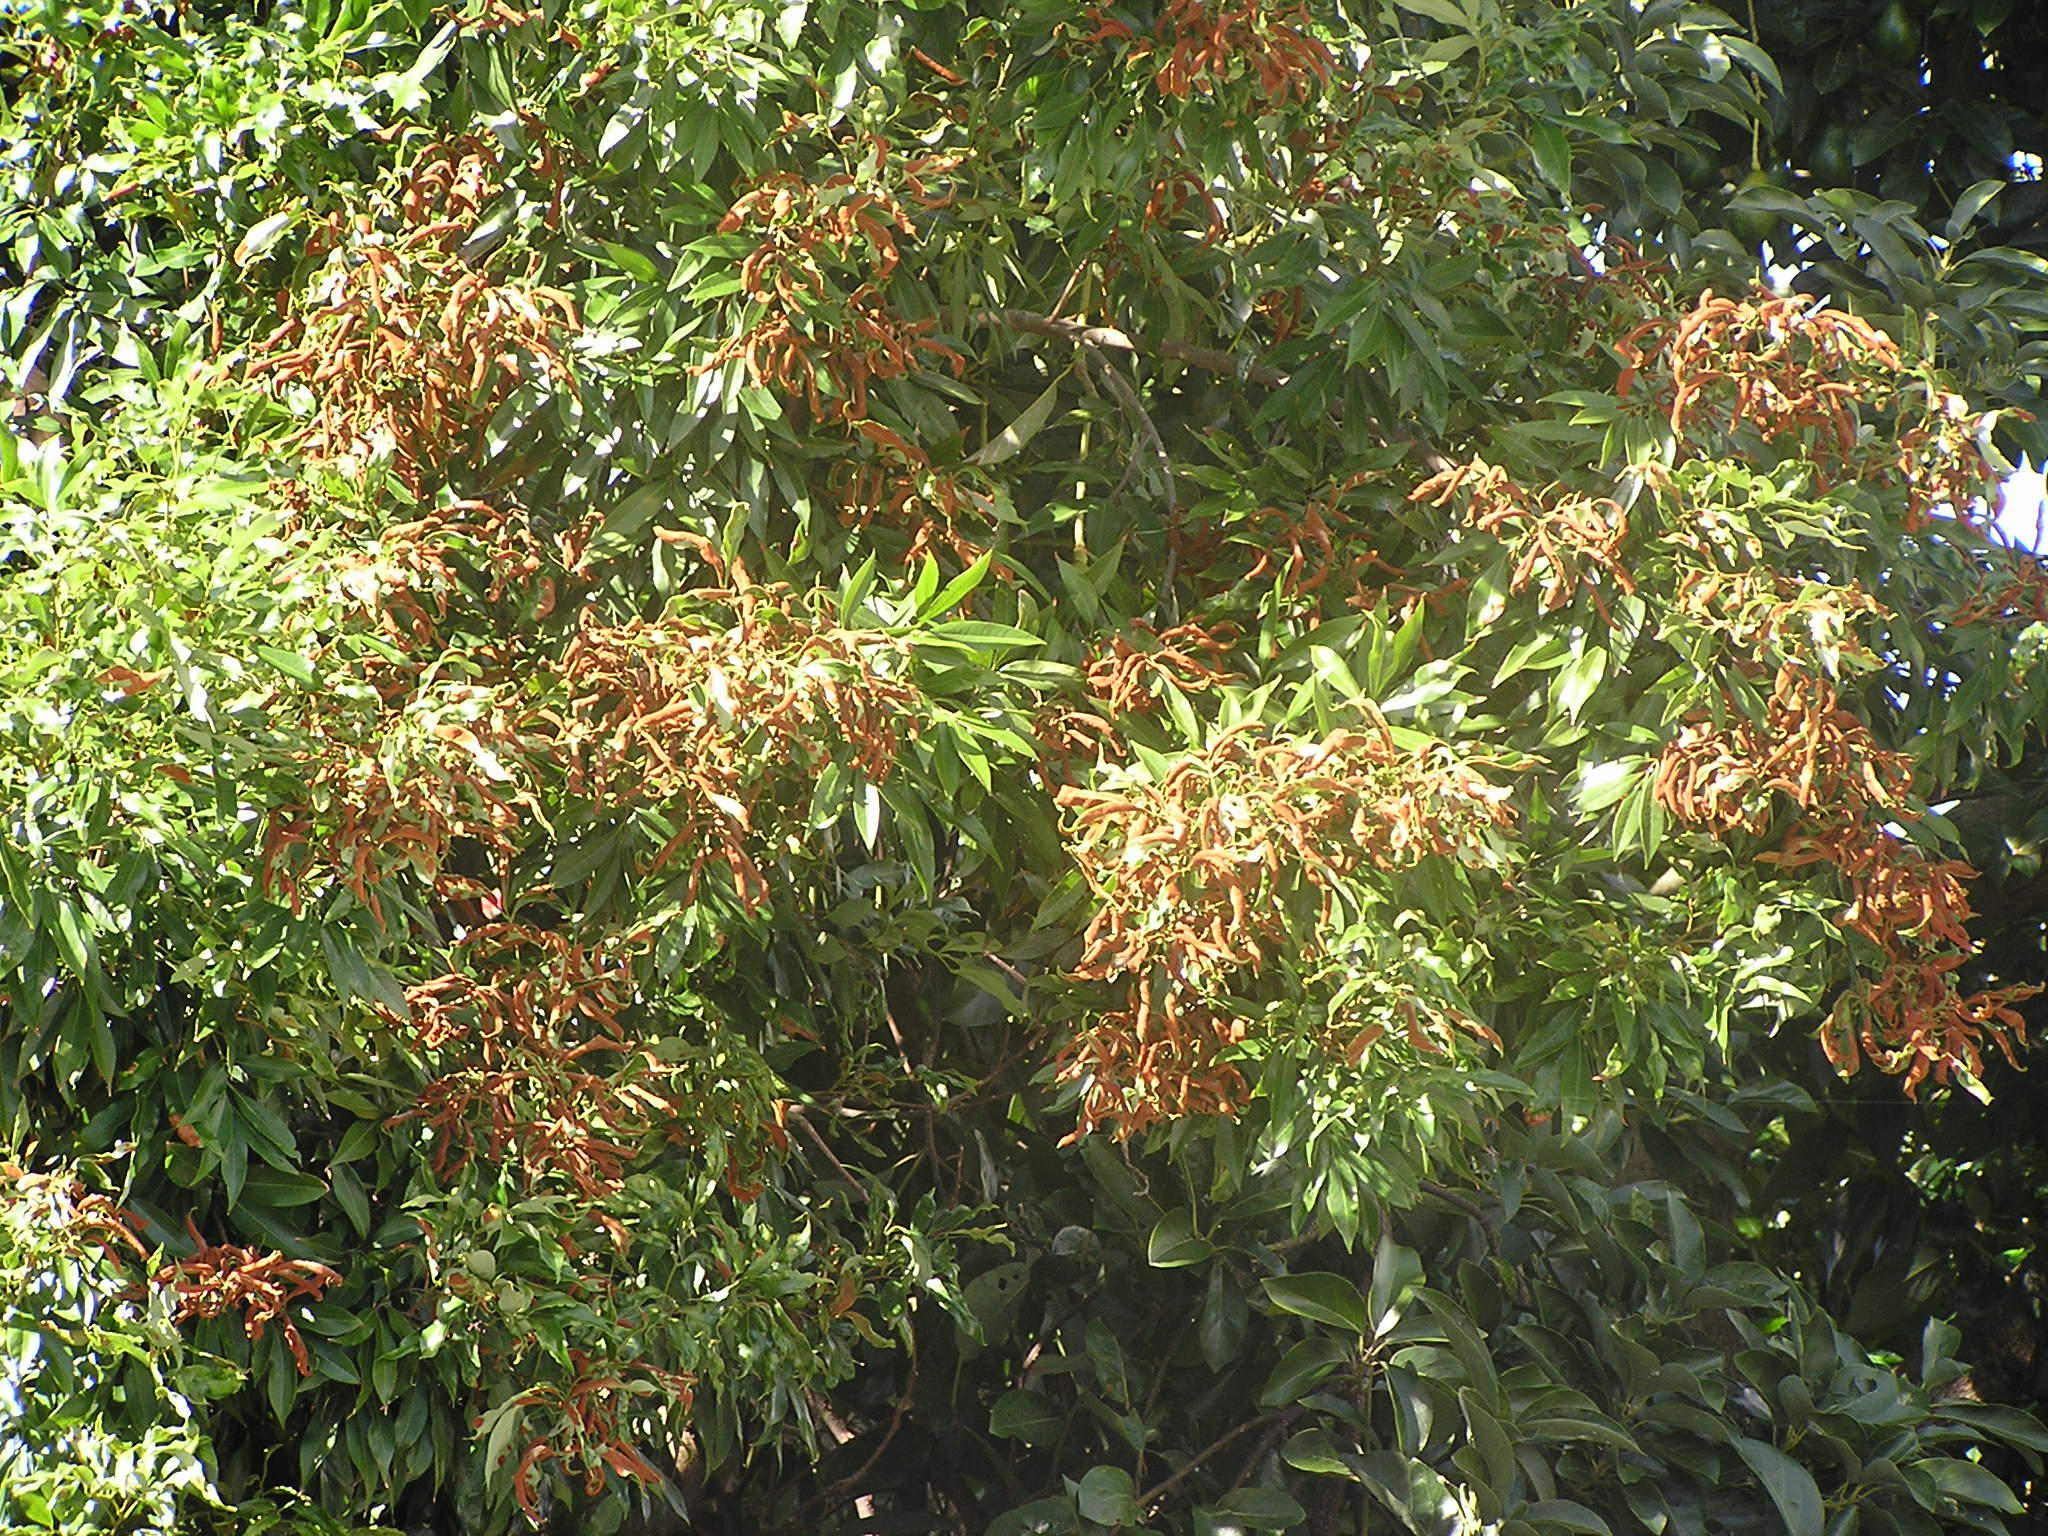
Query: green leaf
pixel 272 1187
pixel 625 525
pixel 1412 1492
pixel 1026 1416
pixel 1225 1314
pixel 1396 1276
pixel 1301 1369
pixel 1174 1243
pixel 2008 1424
pixel 1315 1450
pixel 261 237
pixel 1011 441
pixel 1466 1341
pixel 1041 1517
pixel 1565 1515
pixel 1320 1297
pixel 1968 1483
pixel 353 1199
pixel 1553 155
pixel 1790 1485
pixel 1577 680
pixel 980 635
pixel 957 591
pixel 1974 201
pixel 633 263
pixel 1107 1496
pixel 299 669
pixel 1439 10
pixel 1260 1509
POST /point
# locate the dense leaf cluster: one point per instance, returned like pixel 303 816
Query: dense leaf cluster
pixel 890 768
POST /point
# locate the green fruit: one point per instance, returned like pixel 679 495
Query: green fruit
pixel 1696 167
pixel 1897 35
pixel 1830 159
pixel 1753 226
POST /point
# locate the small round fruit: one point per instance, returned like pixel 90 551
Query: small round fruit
pixel 1830 159
pixel 1897 34
pixel 1753 226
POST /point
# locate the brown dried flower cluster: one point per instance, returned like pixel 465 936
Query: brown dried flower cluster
pixel 448 768
pixel 423 567
pixel 1807 747
pixel 825 251
pixel 586 1436
pixel 1774 363
pixel 704 716
pixel 1141 661
pixel 396 787
pixel 1939 457
pixel 1912 908
pixel 1214 871
pixel 59 1205
pixel 406 348
pixel 1759 611
pixel 1563 542
pixel 1786 368
pixel 532 1015
pixel 225 1277
pixel 1200 47
pixel 899 486
pixel 1914 1020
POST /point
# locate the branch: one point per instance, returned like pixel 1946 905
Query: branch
pixel 1278 1418
pixel 1450 1196
pixel 1107 338
pixel 796 1112
pixel 832 1492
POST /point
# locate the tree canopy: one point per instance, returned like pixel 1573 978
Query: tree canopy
pixel 1070 768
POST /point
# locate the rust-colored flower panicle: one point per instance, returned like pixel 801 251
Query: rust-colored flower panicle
pixel 544 1071
pixel 1154 1060
pixel 1198 47
pixel 1784 367
pixel 1140 661
pixel 821 328
pixel 1908 908
pixel 1767 614
pixel 1563 542
pixel 1807 747
pixel 407 349
pixel 58 1204
pixel 582 1422
pixel 1899 895
pixel 709 716
pixel 1211 873
pixel 897 486
pixel 1778 364
pixel 1914 1021
pixel 1198 872
pixel 451 767
pixel 225 1277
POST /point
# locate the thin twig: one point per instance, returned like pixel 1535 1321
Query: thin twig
pixel 839 1488
pixel 1278 1418
pixel 796 1112
pixel 1127 396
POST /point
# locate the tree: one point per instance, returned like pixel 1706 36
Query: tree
pixel 871 768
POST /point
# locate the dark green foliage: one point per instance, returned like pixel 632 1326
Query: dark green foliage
pixel 902 769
